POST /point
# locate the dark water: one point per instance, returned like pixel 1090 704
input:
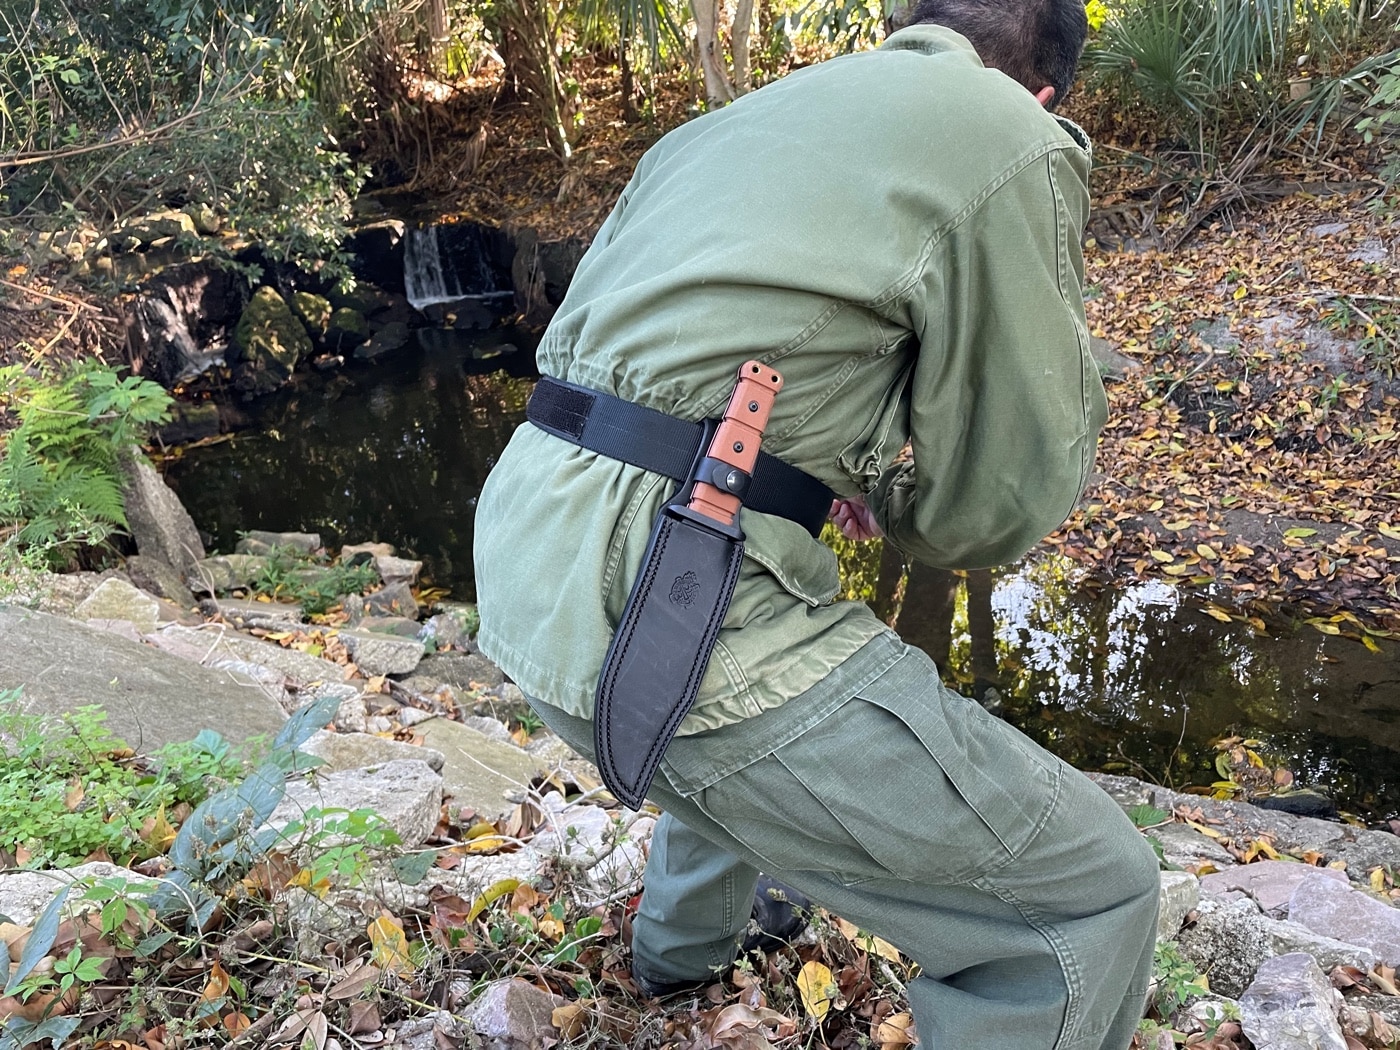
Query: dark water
pixel 1131 678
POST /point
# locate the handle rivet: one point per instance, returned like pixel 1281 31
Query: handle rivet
pixel 738 446
pixel 753 406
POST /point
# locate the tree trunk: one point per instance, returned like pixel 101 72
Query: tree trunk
pixel 743 27
pixel 629 86
pixel 718 88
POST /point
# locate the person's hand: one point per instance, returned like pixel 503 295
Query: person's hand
pixel 855 519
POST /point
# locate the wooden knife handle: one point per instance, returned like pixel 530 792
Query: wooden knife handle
pixel 739 436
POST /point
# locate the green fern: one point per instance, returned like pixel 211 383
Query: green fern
pixel 60 487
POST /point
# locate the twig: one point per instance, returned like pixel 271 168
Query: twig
pixel 1385 336
pixel 59 334
pixel 49 296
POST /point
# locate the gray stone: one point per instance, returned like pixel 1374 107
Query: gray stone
pixel 512 1014
pixel 243 612
pixel 411 716
pixel 1370 251
pixel 1270 882
pixel 156 519
pixel 1289 937
pixel 25 894
pixel 1228 941
pixel 376 654
pixel 498 731
pixel 360 750
pixel 1112 364
pixel 151 698
pixel 432 1032
pixel 1337 910
pixel 350 716
pixel 393 599
pixel 1211 1009
pixel 463 670
pixel 471 876
pixel 447 630
pixel 608 849
pixel 1292 1006
pixel 1186 847
pixel 1328 229
pixel 479 772
pixel 398 570
pixel 258 541
pixel 1180 893
pixel 1360 1007
pixel 215 644
pixel 398 626
pixel 1361 849
pixel 225 572
pixel 157 576
pixel 407 793
pixel 119 600
pixel 313 921
pixel 357 553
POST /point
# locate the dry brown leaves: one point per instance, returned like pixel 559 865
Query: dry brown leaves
pixel 1252 451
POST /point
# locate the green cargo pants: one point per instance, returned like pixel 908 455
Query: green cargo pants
pixel 1025 895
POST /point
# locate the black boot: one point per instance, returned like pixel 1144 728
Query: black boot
pixel 779 914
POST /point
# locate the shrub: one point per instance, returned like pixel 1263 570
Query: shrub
pixel 60 488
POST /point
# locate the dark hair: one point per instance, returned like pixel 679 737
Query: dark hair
pixel 1035 42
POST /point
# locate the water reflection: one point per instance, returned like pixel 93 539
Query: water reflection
pixel 1130 678
pixel 1138 680
pixel 397 453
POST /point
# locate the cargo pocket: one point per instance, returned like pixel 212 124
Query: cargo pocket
pixel 798 810
pixel 972 791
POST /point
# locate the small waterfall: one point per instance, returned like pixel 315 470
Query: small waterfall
pixel 449 263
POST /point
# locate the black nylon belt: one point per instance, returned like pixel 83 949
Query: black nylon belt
pixel 664 444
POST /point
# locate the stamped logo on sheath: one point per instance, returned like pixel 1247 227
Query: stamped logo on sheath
pixel 686 589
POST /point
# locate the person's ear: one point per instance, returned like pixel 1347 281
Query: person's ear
pixel 1045 95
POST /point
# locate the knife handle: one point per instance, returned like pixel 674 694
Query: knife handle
pixel 737 440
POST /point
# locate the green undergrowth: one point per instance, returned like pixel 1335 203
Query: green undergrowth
pixel 60 463
pixel 310 580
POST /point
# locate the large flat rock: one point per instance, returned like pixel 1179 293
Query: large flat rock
pixel 151 697
pixel 478 772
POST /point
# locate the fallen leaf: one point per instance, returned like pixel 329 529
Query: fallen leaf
pixel 389 946
pixel 895 1030
pixel 815 985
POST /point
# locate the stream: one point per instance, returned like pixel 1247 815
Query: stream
pixel 1132 678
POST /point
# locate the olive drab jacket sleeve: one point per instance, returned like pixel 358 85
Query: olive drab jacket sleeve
pixel 1005 402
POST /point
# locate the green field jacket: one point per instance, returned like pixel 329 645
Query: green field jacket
pixel 898 233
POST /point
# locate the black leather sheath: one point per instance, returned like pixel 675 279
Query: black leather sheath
pixel 662 646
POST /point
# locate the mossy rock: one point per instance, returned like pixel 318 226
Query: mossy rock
pixel 314 311
pixel 347 328
pixel 269 338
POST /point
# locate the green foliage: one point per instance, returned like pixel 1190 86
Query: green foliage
pixel 231 106
pixel 1382 120
pixel 69 789
pixel 1207 68
pixel 1176 980
pixel 59 472
pixel 293 575
pixel 1146 816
